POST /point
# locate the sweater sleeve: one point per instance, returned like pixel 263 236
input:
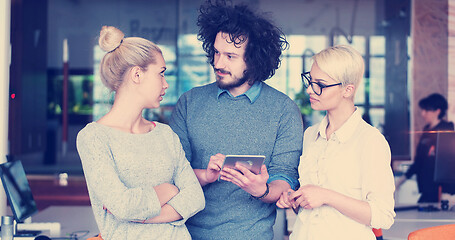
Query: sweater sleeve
pixel 378 182
pixel 190 198
pixel 288 146
pixel 178 124
pixel 104 183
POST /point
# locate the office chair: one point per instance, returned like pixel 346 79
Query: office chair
pixel 443 232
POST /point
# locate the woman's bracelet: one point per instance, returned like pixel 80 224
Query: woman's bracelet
pixel 265 194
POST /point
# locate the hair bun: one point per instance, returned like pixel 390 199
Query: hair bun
pixel 110 38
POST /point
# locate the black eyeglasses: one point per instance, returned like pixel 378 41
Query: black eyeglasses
pixel 316 86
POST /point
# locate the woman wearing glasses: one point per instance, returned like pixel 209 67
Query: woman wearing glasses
pixel 346 183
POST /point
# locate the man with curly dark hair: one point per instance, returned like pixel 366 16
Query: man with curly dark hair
pixel 239 114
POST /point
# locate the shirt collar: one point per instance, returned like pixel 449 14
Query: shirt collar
pixel 344 132
pixel 322 128
pixel 252 94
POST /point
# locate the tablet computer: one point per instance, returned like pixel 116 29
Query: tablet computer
pixel 252 162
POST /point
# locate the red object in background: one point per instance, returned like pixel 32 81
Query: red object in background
pixel 65 97
pixel 378 233
pixel 65 102
pixel 13 95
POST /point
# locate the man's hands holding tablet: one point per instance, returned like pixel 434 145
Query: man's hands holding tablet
pixel 252 162
pixel 220 166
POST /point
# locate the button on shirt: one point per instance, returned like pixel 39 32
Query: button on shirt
pixel 354 161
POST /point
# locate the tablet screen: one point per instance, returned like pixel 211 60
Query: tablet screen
pixel 252 162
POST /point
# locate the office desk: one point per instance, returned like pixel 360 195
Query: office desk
pixel 411 220
pixel 71 218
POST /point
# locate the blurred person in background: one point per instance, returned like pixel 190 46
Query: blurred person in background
pixel 433 109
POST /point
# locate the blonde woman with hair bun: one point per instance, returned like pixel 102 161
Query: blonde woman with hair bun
pixel 346 182
pixel 141 185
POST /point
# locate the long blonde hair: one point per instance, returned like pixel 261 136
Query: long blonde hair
pixel 122 54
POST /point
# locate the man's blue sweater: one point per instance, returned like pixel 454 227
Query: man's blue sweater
pixel 207 124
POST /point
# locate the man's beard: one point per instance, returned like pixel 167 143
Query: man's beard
pixel 237 82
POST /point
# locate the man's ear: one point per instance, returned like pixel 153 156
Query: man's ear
pixel 438 111
pixel 135 74
pixel 349 91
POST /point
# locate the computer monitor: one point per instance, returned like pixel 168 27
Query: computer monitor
pixel 444 171
pixel 17 190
